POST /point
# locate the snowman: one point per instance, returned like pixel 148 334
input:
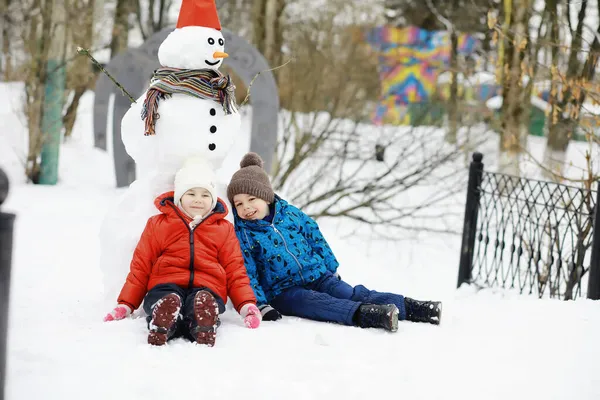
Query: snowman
pixel 188 111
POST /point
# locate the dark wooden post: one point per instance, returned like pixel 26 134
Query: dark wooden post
pixel 6 238
pixel 593 291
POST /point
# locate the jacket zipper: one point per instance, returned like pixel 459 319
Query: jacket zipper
pixel 192 272
pixel 191 281
pixel 289 252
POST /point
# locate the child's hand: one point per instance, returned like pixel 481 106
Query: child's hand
pixel 251 315
pixel 119 312
pixel 269 313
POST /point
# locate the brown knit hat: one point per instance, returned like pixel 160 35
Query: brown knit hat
pixel 251 179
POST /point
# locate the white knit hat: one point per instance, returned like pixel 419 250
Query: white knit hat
pixel 195 173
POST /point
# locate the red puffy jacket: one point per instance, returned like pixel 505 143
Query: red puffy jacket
pixel 169 251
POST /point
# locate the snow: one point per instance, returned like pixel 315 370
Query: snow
pixel 477 78
pixel 540 103
pixel 591 109
pixel 495 103
pixel 491 344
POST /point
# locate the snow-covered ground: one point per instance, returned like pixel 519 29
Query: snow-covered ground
pixel 492 344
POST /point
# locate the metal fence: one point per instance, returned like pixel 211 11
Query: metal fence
pixel 534 236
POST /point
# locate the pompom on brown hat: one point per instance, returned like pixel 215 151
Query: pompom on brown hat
pixel 251 179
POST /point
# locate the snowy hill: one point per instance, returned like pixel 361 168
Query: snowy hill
pixel 492 344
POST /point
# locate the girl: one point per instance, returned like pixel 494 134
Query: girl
pixel 186 263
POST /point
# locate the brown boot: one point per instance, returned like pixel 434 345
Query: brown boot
pixel 206 315
pixel 164 319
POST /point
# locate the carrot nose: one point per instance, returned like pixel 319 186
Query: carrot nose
pixel 220 54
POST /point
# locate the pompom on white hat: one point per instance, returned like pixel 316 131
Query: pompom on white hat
pixel 195 173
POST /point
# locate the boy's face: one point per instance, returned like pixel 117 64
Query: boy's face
pixel 250 207
pixel 196 201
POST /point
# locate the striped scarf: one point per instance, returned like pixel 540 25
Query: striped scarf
pixel 200 83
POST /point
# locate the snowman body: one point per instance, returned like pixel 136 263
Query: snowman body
pixel 187 126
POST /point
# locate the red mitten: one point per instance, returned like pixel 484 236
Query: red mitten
pixel 251 315
pixel 119 312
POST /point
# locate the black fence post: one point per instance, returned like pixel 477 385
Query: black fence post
pixel 593 291
pixel 6 239
pixel 470 222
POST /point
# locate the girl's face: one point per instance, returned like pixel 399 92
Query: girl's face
pixel 196 201
pixel 250 207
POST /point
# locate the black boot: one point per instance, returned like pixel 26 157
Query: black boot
pixel 423 311
pixel 377 316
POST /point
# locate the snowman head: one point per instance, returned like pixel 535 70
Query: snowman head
pixel 193 47
pixel 197 42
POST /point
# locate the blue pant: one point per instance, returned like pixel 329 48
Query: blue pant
pixel 332 300
pixel 186 321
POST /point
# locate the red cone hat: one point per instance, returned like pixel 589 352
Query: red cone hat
pixel 199 13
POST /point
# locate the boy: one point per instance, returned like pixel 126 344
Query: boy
pixel 292 269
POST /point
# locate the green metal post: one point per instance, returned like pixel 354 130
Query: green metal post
pixel 52 121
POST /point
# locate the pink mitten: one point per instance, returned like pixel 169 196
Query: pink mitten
pixel 251 315
pixel 120 312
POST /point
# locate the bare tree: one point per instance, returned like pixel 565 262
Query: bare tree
pixel 569 88
pixel 42 34
pixel 152 18
pixel 80 77
pixel 326 157
pixel 120 31
pixel 236 15
pixel 5 57
pixel 37 16
pixel 267 28
pixel 515 105
pixel 455 17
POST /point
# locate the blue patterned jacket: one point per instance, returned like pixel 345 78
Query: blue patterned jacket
pixel 290 251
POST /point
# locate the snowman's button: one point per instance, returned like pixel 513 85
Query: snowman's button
pixel 213 112
pixel 213 129
pixel 212 146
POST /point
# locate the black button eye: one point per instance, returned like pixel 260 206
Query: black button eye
pixel 213 112
pixel 211 41
pixel 221 42
pixel 212 146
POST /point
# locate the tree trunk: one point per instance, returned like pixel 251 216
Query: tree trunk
pixel 37 48
pixel 267 29
pixel 558 139
pixel 153 22
pixel 561 128
pixel 258 24
pixel 54 93
pixel 79 75
pixel 565 118
pixel 513 133
pixel 120 32
pixel 6 59
pixel 453 98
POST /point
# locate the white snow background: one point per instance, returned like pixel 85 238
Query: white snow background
pixel 492 343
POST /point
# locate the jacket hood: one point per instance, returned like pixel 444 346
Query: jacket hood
pixel 166 205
